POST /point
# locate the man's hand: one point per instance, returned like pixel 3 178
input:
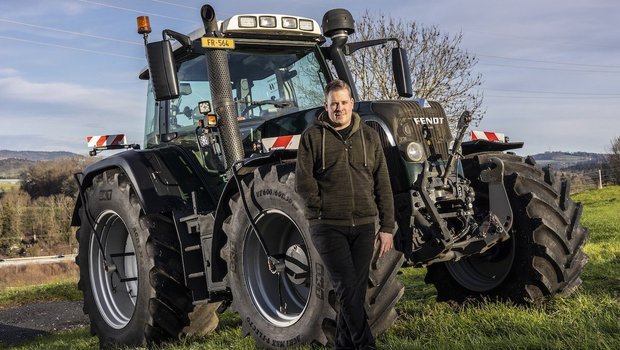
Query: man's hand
pixel 385 241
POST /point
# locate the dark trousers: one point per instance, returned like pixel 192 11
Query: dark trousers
pixel 346 252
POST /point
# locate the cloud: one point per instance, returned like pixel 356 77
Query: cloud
pixel 27 142
pixel 59 116
pixel 40 9
pixel 8 72
pixel 16 88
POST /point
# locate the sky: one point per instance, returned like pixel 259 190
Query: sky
pixel 550 68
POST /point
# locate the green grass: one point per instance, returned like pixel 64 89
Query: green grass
pixel 64 290
pixel 8 187
pixel 601 215
pixel 75 339
pixel 589 319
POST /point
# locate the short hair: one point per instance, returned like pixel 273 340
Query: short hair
pixel 337 84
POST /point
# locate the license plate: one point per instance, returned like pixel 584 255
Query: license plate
pixel 217 43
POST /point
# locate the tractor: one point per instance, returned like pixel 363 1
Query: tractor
pixel 205 217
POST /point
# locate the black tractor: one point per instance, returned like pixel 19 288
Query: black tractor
pixel 206 217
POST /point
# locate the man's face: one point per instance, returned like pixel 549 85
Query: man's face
pixel 339 106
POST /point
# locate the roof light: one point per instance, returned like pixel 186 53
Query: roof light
pixel 144 25
pixel 305 24
pixel 267 21
pixel 247 22
pixel 289 23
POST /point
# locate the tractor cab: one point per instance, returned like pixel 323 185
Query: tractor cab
pixel 276 68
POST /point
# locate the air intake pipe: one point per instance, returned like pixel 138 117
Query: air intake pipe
pixel 338 24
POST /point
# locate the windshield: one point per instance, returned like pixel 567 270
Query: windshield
pixel 266 83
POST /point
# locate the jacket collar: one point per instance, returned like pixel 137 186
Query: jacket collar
pixel 323 120
pixel 324 124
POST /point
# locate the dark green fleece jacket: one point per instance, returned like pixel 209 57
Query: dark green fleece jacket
pixel 344 181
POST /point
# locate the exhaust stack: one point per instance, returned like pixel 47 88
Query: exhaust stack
pixel 221 93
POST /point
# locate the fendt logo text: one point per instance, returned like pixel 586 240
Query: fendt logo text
pixel 435 120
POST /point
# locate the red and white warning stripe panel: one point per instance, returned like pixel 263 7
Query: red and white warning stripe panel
pixel 106 140
pixel 488 135
pixel 281 142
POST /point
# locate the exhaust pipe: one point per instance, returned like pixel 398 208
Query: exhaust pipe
pixel 221 93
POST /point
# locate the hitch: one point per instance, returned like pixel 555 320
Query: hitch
pixel 499 204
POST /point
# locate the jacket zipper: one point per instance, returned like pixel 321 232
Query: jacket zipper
pixel 350 181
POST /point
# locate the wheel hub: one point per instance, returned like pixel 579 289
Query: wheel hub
pixel 296 264
pixel 113 280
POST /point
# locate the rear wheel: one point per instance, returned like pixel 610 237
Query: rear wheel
pixel 135 296
pixel 296 306
pixel 544 255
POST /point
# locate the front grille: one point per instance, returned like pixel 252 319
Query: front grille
pixel 440 134
pixel 402 116
pixel 398 177
pixel 385 143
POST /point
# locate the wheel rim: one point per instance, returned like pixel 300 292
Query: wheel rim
pixel 284 239
pixel 114 291
pixel 483 272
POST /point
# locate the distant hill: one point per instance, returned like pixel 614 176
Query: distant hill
pixel 35 155
pixel 13 163
pixel 11 168
pixel 576 161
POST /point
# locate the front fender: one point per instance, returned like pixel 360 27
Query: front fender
pixel 480 146
pixel 223 209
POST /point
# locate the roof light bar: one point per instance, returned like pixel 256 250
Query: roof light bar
pixel 273 24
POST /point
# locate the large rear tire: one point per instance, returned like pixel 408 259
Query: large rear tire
pixel 544 255
pixel 139 297
pixel 298 306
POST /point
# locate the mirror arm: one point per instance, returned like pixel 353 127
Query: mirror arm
pixel 182 39
pixel 351 48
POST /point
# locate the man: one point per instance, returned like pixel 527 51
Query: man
pixel 343 177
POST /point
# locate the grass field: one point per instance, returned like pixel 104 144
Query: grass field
pixel 8 186
pixel 61 290
pixel 36 274
pixel 590 319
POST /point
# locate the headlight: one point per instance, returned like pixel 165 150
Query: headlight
pixel 267 21
pixel 289 22
pixel 414 152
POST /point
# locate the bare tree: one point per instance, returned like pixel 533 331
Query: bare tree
pixel 614 159
pixel 48 178
pixel 441 71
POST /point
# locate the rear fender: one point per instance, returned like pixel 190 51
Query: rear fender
pixel 163 180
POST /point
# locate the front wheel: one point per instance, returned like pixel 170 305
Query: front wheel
pixel 544 255
pixel 298 305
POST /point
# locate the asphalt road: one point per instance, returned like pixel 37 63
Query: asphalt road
pixel 37 260
pixel 21 323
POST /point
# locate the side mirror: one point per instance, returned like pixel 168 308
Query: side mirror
pixel 186 89
pixel 162 70
pixel 402 75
